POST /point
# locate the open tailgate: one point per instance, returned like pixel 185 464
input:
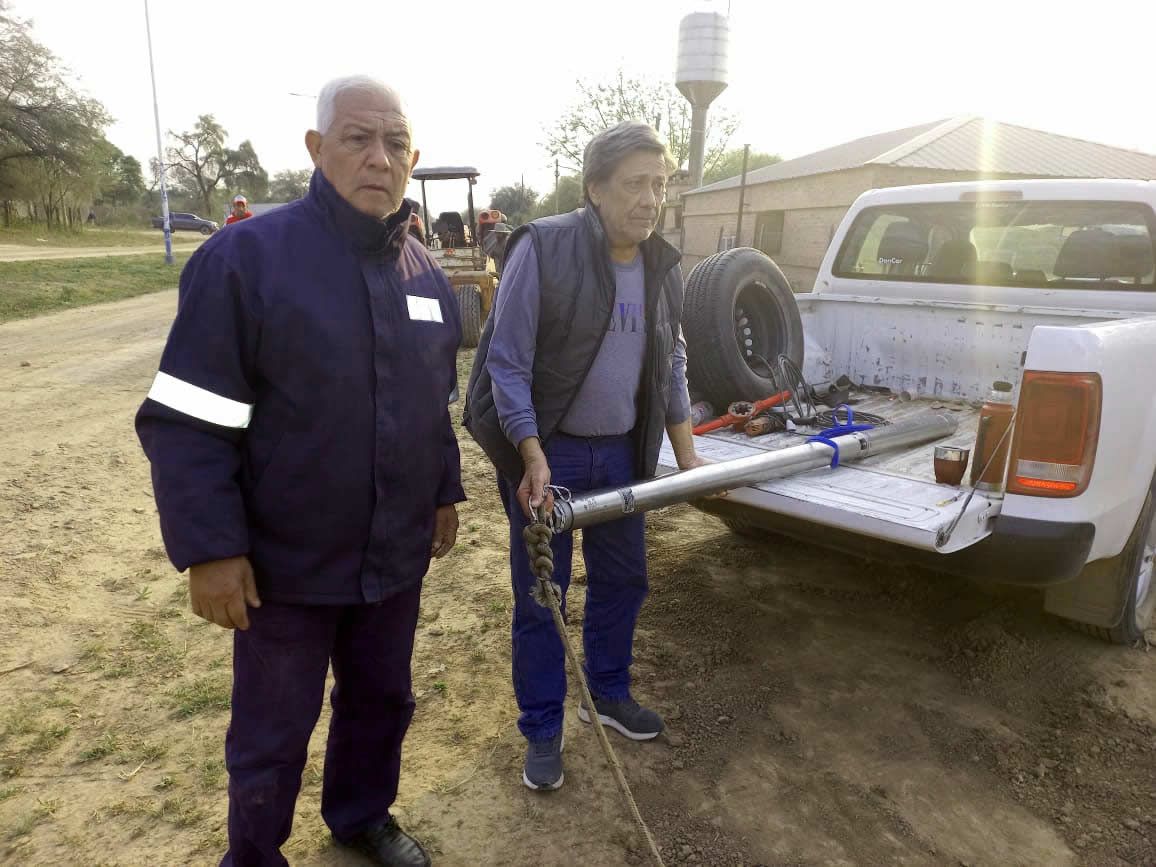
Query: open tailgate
pixel 860 499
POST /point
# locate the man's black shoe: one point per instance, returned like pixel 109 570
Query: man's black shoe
pixel 386 844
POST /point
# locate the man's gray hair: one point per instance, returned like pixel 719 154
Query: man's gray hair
pixel 327 99
pixel 610 147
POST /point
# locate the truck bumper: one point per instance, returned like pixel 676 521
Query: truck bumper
pixel 1026 551
pixel 1018 551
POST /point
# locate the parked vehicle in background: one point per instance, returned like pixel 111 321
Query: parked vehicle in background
pixel 182 222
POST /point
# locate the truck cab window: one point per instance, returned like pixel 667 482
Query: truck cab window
pixel 1046 245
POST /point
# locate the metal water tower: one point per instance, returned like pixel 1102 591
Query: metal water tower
pixel 701 75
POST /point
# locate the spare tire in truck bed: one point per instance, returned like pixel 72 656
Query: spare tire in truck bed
pixel 739 310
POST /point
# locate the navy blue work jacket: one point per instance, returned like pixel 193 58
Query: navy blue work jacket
pixel 301 412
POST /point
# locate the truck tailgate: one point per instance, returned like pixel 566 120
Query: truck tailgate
pixel 891 496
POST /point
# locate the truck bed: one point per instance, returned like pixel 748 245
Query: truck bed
pixel 891 496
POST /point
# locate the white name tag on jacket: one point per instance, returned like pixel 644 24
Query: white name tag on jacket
pixel 424 309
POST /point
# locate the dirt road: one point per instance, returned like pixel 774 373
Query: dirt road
pixel 822 710
pixel 21 253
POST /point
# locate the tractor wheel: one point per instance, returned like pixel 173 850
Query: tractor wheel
pixel 470 310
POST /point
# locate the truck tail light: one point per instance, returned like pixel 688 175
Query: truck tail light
pixel 1056 430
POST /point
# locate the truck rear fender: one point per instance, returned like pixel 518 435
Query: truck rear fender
pixel 1120 352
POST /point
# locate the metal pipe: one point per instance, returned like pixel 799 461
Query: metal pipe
pixel 598 507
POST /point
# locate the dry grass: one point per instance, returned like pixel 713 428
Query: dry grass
pixel 178 812
pixel 145 650
pixel 208 694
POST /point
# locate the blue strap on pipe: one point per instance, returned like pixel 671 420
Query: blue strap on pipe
pixel 828 442
pixel 827 437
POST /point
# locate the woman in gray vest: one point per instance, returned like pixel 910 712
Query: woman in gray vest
pixel 579 371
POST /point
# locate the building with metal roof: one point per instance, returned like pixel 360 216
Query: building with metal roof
pixel 791 208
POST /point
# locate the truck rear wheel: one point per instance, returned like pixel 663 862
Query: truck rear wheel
pixel 1114 599
pixel 739 314
pixel 470 310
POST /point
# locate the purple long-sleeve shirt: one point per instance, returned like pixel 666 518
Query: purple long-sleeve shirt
pixel 605 404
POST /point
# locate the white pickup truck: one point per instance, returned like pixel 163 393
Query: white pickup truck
pixel 926 296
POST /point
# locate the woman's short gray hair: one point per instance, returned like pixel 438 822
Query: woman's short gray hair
pixel 327 99
pixel 610 147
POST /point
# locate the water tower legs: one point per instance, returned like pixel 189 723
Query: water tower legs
pixel 697 144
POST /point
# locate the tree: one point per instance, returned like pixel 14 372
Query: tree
pixel 603 104
pixel 154 174
pixel 289 185
pixel 202 161
pixel 49 131
pixel 122 182
pixel 569 197
pixel 518 202
pixel 730 164
pixel 60 192
pixel 248 176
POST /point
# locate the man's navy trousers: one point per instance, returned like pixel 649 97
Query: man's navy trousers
pixel 616 586
pixel 279 668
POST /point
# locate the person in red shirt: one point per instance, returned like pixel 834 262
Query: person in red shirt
pixel 240 211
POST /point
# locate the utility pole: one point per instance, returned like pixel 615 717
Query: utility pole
pixel 555 185
pixel 165 221
pixel 742 196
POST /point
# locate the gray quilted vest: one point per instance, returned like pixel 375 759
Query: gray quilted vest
pixel 577 301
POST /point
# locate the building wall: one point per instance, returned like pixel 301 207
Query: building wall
pixel 813 208
pixel 809 204
pixel 806 234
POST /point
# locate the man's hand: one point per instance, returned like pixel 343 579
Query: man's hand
pixel 445 530
pixel 692 460
pixel 534 490
pixel 682 441
pixel 689 462
pixel 220 591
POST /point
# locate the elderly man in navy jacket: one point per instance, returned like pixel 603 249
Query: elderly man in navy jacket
pixel 306 470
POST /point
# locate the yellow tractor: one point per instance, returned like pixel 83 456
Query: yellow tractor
pixel 458 249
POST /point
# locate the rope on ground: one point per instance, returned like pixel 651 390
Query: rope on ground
pixel 548 594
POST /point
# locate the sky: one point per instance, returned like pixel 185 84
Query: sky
pixel 480 86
